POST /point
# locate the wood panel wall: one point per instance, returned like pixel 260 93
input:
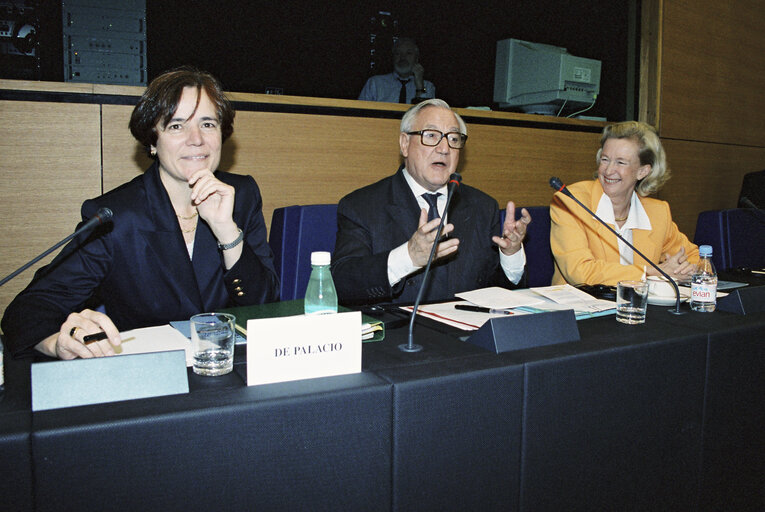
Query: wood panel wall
pixel 51 163
pixel 712 71
pixel 701 86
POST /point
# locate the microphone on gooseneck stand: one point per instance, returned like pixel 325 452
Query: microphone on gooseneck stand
pixel 101 217
pixel 558 185
pixel 748 203
pixel 454 183
pixel 751 207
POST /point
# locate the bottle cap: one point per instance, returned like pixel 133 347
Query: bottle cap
pixel 320 258
pixel 705 250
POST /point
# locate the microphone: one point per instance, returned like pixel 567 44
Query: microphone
pixel 102 216
pixel 454 183
pixel 558 185
pixel 748 203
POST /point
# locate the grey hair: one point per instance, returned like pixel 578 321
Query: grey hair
pixel 407 122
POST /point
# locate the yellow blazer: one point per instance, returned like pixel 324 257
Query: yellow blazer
pixel 586 252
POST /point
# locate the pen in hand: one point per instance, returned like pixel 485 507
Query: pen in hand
pixel 92 338
pixel 478 309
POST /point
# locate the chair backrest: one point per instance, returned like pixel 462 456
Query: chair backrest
pixel 746 238
pixel 737 237
pixel 711 230
pixel 539 259
pixel 296 232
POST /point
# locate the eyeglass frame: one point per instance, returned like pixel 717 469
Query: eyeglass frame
pixel 463 137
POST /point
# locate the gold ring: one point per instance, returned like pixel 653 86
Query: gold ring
pixel 73 331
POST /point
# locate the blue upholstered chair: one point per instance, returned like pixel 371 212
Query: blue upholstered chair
pixel 539 259
pixel 296 232
pixel 737 237
pixel 711 230
pixel 746 238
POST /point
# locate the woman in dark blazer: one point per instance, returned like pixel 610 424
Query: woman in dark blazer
pixel 185 237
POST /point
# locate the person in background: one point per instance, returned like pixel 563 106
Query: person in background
pixel 631 165
pixel 185 237
pixel 752 190
pixel 386 230
pixel 406 84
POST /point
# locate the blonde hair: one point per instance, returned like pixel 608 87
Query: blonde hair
pixel 650 152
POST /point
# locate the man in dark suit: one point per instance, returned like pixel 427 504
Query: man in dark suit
pixel 386 230
pixel 753 189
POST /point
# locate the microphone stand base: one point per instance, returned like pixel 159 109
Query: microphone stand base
pixel 406 347
pixel 677 312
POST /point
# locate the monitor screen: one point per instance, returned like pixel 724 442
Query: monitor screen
pixel 543 79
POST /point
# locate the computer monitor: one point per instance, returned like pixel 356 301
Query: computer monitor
pixel 539 78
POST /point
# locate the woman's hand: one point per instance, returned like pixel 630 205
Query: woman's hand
pixel 215 203
pixel 213 198
pixel 677 266
pixel 68 342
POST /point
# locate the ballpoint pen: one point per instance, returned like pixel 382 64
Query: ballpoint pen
pixel 479 309
pixel 92 338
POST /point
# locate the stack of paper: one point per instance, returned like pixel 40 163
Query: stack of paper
pixel 515 302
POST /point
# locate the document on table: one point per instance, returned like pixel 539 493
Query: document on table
pixel 495 297
pixel 565 296
pixel 154 339
pixel 517 302
pixel 446 313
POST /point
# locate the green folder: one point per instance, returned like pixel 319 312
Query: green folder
pixel 292 308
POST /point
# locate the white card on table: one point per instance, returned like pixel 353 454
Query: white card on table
pixel 303 347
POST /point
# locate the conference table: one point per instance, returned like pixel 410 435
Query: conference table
pixel 669 415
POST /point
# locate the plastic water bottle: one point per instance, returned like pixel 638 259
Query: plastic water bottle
pixel 704 282
pixel 320 295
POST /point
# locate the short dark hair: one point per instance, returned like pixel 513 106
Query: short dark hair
pixel 160 101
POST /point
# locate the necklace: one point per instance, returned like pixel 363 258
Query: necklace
pixel 192 217
pixel 622 219
pixel 187 218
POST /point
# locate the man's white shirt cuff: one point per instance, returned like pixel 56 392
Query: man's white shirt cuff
pixel 513 265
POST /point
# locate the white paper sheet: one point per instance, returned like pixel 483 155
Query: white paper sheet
pixel 154 339
pixel 446 313
pixel 495 297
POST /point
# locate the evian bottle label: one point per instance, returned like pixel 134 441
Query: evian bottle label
pixel 701 292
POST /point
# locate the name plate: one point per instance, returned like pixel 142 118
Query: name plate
pixel 108 379
pixel 303 347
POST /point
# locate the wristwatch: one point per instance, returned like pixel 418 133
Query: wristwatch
pixel 233 244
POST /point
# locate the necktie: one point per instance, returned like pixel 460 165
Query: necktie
pixel 432 200
pixel 402 92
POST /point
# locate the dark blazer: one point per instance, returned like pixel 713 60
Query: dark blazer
pixel 379 217
pixel 139 269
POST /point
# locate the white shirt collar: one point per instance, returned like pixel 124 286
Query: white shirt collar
pixel 418 189
pixel 636 219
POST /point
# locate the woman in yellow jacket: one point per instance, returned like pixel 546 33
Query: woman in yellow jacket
pixel 631 165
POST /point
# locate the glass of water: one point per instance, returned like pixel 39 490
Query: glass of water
pixel 212 341
pixel 631 301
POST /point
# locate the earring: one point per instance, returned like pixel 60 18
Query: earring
pixel 153 151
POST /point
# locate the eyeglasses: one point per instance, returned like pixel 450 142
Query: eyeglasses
pixel 456 140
